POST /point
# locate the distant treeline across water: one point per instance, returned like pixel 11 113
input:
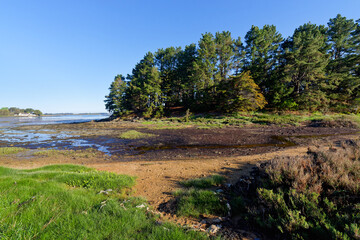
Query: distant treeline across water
pixel 13 111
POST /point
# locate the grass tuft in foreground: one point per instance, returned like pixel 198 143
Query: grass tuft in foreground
pixel 75 202
pixel 312 197
pixel 206 182
pixel 198 199
pixel 11 150
pixel 195 202
pixel 133 134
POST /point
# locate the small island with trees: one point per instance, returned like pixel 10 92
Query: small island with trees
pixel 14 111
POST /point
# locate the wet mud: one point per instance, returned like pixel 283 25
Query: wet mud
pixel 183 143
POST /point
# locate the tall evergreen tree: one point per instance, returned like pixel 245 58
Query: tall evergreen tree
pixel 342 67
pixel 224 50
pixel 262 49
pixel 205 65
pixel 145 88
pixel 306 59
pixel 187 74
pixel 166 61
pixel 115 102
pixel 238 58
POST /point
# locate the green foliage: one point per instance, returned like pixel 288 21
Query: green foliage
pixel 344 49
pixel 86 153
pixel 133 134
pixel 317 68
pixel 10 150
pixel 207 182
pixel 308 197
pixel 5 111
pixel 194 202
pixel 145 97
pixel 262 52
pixel 305 61
pixel 40 203
pixel 240 93
pixel 115 102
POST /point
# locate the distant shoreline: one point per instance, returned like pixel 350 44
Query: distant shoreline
pixel 54 114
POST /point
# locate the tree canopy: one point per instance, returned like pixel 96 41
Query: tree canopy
pixel 315 69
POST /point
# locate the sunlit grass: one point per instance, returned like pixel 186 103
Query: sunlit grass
pixel 84 153
pixel 133 134
pixel 195 202
pixel 75 202
pixel 205 121
pixel 11 150
pixel 206 182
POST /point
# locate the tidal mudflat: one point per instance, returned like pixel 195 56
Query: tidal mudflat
pixel 164 155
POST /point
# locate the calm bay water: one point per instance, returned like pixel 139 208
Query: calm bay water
pixel 53 119
pixel 10 136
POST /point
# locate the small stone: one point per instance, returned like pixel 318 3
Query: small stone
pixel 216 220
pixel 213 229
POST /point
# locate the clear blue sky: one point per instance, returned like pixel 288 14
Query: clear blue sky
pixel 62 55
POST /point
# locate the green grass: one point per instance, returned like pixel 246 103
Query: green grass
pixel 11 150
pixel 198 199
pixel 194 202
pixel 206 182
pixel 133 134
pixel 86 153
pixel 206 121
pixel 63 202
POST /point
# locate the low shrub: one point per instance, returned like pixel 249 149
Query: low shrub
pixel 312 197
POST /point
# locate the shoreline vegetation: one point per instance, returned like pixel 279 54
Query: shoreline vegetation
pixel 317 69
pixel 243 119
pixel 18 112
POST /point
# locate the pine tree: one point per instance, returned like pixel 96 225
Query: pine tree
pixel 166 61
pixel 205 65
pixel 262 49
pixel 342 67
pixel 115 102
pixel 145 88
pixel 187 75
pixel 304 73
pixel 224 45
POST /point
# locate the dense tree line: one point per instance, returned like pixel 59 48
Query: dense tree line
pixel 316 69
pixel 12 111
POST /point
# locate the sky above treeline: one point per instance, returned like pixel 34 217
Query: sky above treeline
pixel 62 55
